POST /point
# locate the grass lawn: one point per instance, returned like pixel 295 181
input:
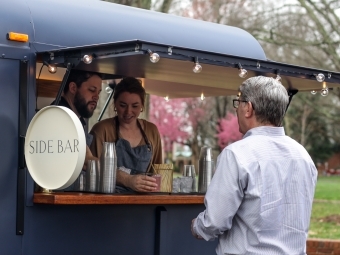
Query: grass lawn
pixel 328 188
pixel 325 220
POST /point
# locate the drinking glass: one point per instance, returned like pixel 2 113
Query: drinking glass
pixel 176 185
pixel 158 178
pixel 189 171
pixel 80 182
pixel 92 176
pixel 186 184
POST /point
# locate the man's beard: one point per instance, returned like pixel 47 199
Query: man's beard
pixel 81 106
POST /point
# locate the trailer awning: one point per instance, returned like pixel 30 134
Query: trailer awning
pixel 173 74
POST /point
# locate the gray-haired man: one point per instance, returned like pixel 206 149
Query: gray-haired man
pixel 260 198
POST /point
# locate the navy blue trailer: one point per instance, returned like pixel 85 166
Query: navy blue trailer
pixel 120 39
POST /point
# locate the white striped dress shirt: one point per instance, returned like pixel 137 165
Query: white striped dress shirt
pixel 260 198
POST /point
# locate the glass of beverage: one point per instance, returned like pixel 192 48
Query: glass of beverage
pixel 158 178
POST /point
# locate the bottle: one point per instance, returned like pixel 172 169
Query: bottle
pixel 205 169
pixel 108 168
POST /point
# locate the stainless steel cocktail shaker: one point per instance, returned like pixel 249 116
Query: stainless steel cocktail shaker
pixel 205 169
pixel 108 168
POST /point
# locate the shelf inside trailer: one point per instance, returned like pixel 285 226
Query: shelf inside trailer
pixel 75 198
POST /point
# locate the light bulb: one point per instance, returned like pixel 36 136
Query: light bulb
pixel 243 73
pixel 324 92
pixel 320 77
pixel 313 92
pixel 166 98
pixel 202 97
pixel 197 68
pixel 52 69
pixel 154 57
pixel 87 59
pixel 108 90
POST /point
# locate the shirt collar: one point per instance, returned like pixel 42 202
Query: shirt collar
pixel 266 130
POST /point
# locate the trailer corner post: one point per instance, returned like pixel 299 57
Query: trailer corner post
pixel 21 175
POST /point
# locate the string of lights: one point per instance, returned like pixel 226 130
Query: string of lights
pixel 243 68
pixel 320 77
pixel 242 64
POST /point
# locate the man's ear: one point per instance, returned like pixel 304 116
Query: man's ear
pixel 72 87
pixel 249 111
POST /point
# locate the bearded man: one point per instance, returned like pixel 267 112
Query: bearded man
pixel 81 95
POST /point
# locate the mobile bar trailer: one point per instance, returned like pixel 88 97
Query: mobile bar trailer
pixel 120 39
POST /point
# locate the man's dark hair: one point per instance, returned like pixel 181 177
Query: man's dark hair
pixel 78 77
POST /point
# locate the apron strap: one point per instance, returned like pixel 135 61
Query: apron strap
pixel 144 135
pixel 117 128
pixel 147 143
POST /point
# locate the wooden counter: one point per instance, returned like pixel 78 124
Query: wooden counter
pixel 73 198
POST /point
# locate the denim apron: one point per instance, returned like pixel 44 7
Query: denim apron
pixel 137 159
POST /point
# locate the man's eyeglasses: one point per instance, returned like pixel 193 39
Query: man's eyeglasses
pixel 236 102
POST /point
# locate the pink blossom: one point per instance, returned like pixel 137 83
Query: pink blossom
pixel 228 130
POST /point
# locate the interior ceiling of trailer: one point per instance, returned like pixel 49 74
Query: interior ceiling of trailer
pixel 170 77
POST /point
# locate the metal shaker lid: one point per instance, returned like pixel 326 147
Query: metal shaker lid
pixel 206 154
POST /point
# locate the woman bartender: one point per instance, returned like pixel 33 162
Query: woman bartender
pixel 138 143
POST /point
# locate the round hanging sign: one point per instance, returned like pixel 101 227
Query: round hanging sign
pixel 55 147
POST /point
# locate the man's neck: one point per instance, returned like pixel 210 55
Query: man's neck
pixel 255 124
pixel 264 125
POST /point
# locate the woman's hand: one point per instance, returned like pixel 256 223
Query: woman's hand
pixel 139 182
pixel 142 183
